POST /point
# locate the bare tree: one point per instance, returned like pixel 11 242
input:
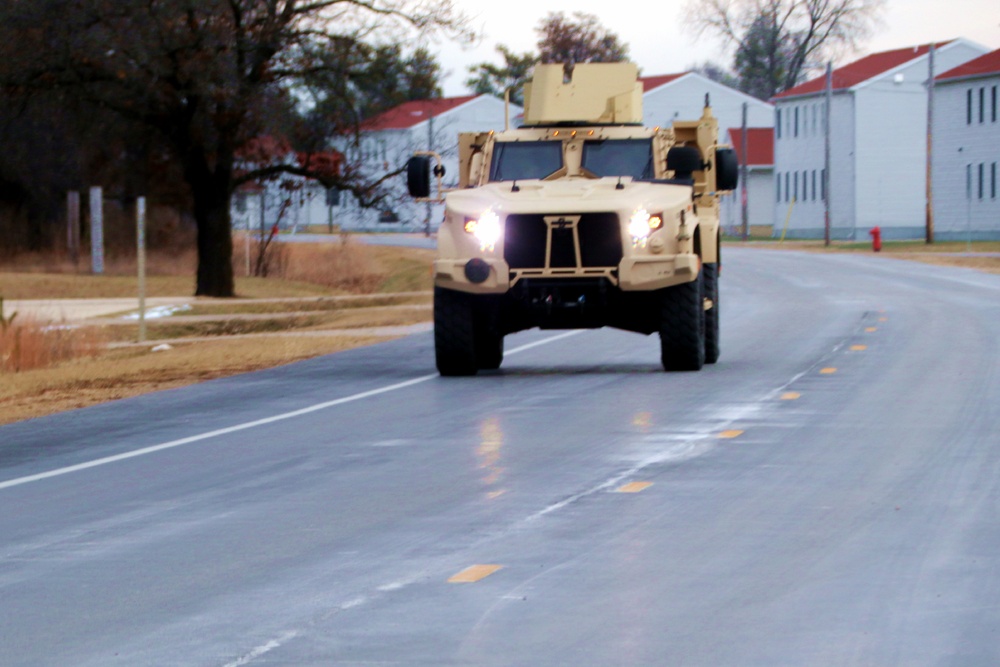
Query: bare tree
pixel 782 39
pixel 581 39
pixel 200 73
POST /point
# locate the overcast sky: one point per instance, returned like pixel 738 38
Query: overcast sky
pixel 660 43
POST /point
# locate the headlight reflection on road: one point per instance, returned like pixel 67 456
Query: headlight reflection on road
pixel 489 453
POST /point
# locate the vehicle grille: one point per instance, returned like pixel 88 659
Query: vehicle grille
pixel 526 239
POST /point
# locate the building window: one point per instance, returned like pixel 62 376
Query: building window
pixel 814 185
pixel 993 104
pixel 982 105
pixel 795 190
pixel 822 182
pixel 982 179
pixel 796 121
pixel 778 124
pixel 968 107
pixel 778 180
pixel 968 182
pixel 993 181
pixel 787 182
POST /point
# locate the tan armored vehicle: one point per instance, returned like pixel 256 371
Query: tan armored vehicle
pixel 580 218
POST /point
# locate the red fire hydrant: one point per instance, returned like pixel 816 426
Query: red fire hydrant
pixel 876 234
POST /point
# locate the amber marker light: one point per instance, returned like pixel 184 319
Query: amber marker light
pixel 470 226
pixel 655 222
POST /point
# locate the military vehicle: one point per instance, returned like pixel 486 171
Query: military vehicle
pixel 579 218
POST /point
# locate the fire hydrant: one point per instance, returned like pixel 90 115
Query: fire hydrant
pixel 876 234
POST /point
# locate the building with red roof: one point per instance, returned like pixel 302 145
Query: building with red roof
pixel 388 140
pixel 966 150
pixel 759 160
pixel 681 96
pixel 878 130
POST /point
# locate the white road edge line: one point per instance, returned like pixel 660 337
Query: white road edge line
pixel 248 425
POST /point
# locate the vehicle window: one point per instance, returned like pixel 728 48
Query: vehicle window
pixel 619 157
pixel 516 161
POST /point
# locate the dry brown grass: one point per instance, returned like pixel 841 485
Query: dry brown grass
pixel 26 344
pixel 129 372
pixel 307 270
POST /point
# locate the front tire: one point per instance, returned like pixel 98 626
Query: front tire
pixel 682 326
pixel 454 333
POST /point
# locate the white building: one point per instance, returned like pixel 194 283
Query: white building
pixel 878 145
pixel 389 140
pixel 671 97
pixel 966 151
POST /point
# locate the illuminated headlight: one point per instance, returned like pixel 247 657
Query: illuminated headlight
pixel 641 224
pixel 486 229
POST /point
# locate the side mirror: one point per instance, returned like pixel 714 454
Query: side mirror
pixel 684 161
pixel 727 169
pixel 418 176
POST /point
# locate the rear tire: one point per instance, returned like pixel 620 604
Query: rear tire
pixel 454 333
pixel 711 287
pixel 682 327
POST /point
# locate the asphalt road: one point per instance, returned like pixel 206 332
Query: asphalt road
pixel 827 494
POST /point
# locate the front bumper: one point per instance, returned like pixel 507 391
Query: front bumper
pixel 634 274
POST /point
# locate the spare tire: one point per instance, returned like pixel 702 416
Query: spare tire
pixel 727 169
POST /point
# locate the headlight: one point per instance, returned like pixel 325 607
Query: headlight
pixel 641 224
pixel 486 229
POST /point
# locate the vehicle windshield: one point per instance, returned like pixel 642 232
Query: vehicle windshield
pixel 516 161
pixel 619 157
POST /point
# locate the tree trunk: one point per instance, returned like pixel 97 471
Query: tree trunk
pixel 215 245
pixel 210 191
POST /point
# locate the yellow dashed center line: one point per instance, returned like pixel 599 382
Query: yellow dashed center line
pixel 470 575
pixel 871 329
pixel 791 396
pixel 883 319
pixel 828 371
pixel 858 348
pixel 731 434
pixel 634 487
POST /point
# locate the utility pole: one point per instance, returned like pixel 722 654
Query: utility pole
pixel 930 146
pixel 826 170
pixel 744 142
pixel 430 147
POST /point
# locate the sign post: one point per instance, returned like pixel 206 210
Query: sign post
pixel 96 231
pixel 140 225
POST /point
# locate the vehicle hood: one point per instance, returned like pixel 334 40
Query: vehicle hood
pixel 569 195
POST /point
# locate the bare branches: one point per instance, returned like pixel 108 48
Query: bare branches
pixel 780 40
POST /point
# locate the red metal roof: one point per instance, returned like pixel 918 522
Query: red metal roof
pixel 651 82
pixel 760 145
pixel 860 71
pixel 983 65
pixel 408 114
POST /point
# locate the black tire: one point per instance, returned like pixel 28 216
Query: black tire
pixel 454 333
pixel 710 284
pixel 489 338
pixel 682 327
